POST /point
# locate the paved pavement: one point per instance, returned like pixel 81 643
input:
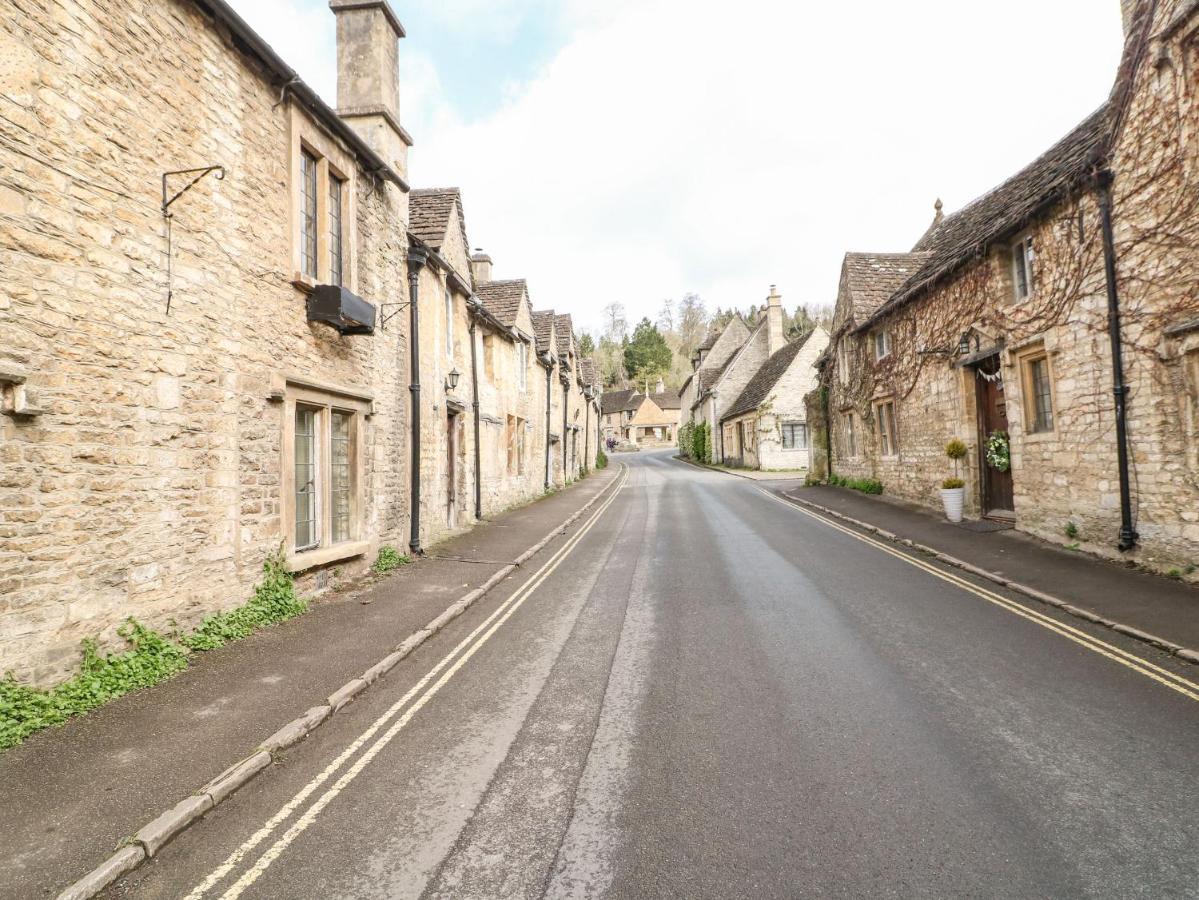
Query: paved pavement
pixel 708 692
pixel 1151 603
pixel 71 794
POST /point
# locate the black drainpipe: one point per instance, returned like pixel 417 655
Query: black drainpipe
pixel 586 430
pixel 565 390
pixel 416 261
pixel 474 381
pixel 549 384
pixel 1128 534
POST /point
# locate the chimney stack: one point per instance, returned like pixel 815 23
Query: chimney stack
pixel 774 322
pixel 480 267
pixel 368 76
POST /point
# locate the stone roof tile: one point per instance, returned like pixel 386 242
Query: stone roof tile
pixel 502 298
pixel 757 391
pixel 429 211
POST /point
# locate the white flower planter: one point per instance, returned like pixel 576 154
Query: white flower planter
pixel 953 498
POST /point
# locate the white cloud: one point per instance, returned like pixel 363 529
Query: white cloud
pixel 683 146
pixel 676 145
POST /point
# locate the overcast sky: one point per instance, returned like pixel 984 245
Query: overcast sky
pixel 635 150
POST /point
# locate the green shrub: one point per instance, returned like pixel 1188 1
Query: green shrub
pixel 950 484
pixel 389 558
pixel 865 485
pixel 601 459
pixel 701 443
pixel 956 449
pixel 274 601
pixel 151 659
pixel 1071 530
pixel 686 438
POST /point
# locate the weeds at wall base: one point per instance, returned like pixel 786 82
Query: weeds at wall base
pixel 151 658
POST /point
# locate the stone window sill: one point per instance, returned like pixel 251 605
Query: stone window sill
pixel 308 559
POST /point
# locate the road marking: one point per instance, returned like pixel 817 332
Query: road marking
pixel 1116 654
pixel 471 644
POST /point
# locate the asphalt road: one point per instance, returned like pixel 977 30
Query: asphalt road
pixel 710 693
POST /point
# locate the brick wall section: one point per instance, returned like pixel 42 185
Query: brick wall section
pixel 151 486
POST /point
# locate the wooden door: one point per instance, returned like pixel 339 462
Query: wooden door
pixel 451 470
pixel 997 490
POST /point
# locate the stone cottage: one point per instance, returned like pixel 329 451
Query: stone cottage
pixel 766 427
pixel 707 364
pixel 644 419
pixel 194 370
pixel 437 230
pixel 512 395
pixel 1052 325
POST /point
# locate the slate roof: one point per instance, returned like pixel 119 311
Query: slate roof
pixel 872 278
pixel 502 298
pixel 543 328
pixel 429 211
pixel 666 400
pixel 764 380
pixel 618 401
pixel 589 372
pixel 564 330
pixel 707 376
pixel 995 216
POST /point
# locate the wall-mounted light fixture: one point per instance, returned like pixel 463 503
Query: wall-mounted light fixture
pixel 451 382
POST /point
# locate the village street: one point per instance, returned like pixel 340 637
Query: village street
pixel 704 691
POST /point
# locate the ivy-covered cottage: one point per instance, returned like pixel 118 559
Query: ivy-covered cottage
pixel 1052 325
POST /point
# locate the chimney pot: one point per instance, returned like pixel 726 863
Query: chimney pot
pixel 775 340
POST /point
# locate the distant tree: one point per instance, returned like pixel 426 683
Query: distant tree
pixel 586 345
pixel 666 315
pixel 647 356
pixel 692 324
pixel 616 326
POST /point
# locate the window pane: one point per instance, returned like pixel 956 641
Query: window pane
pixel 449 323
pixel 306 488
pixel 1042 402
pixel 340 475
pixel 335 230
pixel 308 213
pixel 1021 272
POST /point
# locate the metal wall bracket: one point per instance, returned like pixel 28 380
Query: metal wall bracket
pixel 385 317
pixel 199 174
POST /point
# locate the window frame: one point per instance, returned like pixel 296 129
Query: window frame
pixel 337 228
pixel 1023 255
pixel 885 333
pixel 449 321
pixel 324 403
pixel 333 161
pixel 851 436
pixel 803 429
pixel 888 437
pixel 522 364
pixel 1029 394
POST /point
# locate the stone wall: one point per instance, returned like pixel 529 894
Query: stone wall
pixel 152 485
pixel 786 404
pixel 1066 477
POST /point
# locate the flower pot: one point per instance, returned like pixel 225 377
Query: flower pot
pixel 953 498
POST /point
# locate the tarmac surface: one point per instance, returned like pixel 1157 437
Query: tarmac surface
pixel 704 691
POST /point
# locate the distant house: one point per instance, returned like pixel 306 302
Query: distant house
pixel 648 420
pixel 766 427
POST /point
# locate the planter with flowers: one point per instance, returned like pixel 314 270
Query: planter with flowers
pixel 953 490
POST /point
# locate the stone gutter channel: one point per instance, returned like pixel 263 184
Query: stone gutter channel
pixel 153 836
pixel 1184 653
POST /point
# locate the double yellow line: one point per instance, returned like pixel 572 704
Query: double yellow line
pixel 451 663
pixel 1123 657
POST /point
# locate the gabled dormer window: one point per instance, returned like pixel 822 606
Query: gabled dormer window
pixel 1022 267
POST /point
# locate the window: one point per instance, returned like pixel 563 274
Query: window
pixel 795 436
pixel 321 492
pixel 1022 267
pixel 516 445
pixel 851 435
pixel 308 214
pixel 885 418
pixel 320 181
pixel 522 365
pixel 882 342
pixel 336 247
pixel 1038 392
pixel 843 351
pixel 449 322
pixel 307 526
